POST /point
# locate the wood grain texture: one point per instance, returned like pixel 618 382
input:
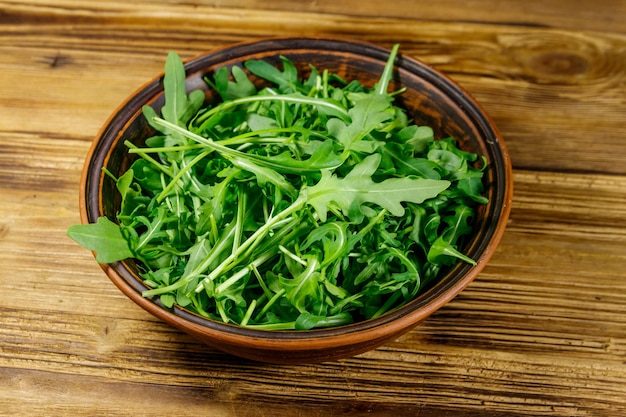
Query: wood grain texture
pixel 552 92
pixel 575 15
pixel 541 332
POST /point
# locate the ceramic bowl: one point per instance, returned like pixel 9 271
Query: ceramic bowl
pixel 431 99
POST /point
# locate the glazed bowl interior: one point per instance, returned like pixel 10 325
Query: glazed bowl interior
pixel 430 99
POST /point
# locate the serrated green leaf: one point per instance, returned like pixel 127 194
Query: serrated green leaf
pixel 408 165
pixel 286 80
pixel 230 90
pixel 307 205
pixel 358 188
pixel 366 115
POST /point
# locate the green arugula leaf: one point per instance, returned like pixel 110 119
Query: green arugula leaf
pixel 473 187
pixel 383 84
pixel 418 137
pixel 366 115
pixel 307 321
pixel 178 107
pixel 307 204
pixel 230 90
pixel 405 164
pixel 286 80
pixel 300 287
pixel 175 90
pixel 263 174
pixel 442 252
pixel 103 237
pixel 358 188
pixel 322 158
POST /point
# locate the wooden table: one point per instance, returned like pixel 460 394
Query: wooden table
pixel 541 332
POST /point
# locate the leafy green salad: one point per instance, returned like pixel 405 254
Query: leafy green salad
pixel 308 202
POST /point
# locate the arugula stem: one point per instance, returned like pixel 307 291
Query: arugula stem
pixel 244 138
pixel 270 302
pixel 195 137
pixel 222 311
pixel 292 255
pixel 312 203
pixel 249 311
pixel 185 280
pixel 290 98
pixel 182 172
pixel 242 199
pixel 385 78
pixel 289 231
pixel 243 272
pixel 410 266
pixel 388 304
pixel 152 229
pixel 266 291
pixel 291 325
pixel 289 166
pixel 258 234
pixel 164 149
pixel 351 299
pixel 367 228
pixel 214 231
pixel 144 155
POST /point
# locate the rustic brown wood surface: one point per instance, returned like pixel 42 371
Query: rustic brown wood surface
pixel 541 332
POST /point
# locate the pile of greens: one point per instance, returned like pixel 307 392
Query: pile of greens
pixel 310 202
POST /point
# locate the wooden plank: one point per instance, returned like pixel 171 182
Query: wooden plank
pixel 551 92
pixel 580 15
pixel 600 15
pixel 524 334
pixel 222 399
pixel 540 332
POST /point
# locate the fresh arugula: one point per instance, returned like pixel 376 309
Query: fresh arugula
pixel 309 202
pixel 105 237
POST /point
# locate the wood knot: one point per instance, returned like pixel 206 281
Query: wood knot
pixel 555 58
pixel 559 64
